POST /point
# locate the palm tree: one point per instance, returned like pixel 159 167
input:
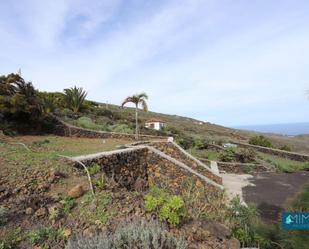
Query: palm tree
pixel 75 97
pixel 137 99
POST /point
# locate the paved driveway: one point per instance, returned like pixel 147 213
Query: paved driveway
pixel 271 191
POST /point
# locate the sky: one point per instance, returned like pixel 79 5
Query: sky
pixel 230 62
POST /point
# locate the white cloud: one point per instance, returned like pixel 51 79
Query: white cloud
pixel 196 58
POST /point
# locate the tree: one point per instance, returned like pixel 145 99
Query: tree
pixel 18 99
pixel 137 99
pixel 52 101
pixel 74 98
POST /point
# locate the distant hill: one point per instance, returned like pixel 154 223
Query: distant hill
pixel 291 129
pixel 192 127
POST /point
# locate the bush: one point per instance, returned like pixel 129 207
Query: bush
pixel 246 155
pixel 243 218
pixel 172 130
pixel 3 215
pixel 185 142
pixel 261 141
pixel 45 233
pixel 121 128
pixel 227 155
pixel 138 234
pixel 168 208
pixel 68 112
pixel 68 203
pixel 101 182
pixel 104 112
pixel 285 147
pixel 7 128
pixel 201 144
pixel 87 123
pixel 11 240
pixel 94 169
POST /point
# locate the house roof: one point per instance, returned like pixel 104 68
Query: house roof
pixel 154 120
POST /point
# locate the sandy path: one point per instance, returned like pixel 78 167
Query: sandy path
pixel 234 184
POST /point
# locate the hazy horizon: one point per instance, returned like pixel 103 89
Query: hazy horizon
pixel 226 62
pixel 291 129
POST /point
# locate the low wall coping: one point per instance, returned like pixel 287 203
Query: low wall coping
pixel 106 153
pixel 149 148
pixel 272 149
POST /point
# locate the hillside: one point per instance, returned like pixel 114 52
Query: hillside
pixel 71 166
pixel 189 127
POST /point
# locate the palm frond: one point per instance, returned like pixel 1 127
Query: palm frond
pixel 144 105
pixel 75 97
pixel 142 95
pixel 127 100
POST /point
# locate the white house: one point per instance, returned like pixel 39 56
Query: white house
pixel 154 123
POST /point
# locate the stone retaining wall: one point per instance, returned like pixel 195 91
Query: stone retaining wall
pixel 126 166
pixel 276 152
pixel 64 129
pixel 173 151
pixel 145 165
pixel 238 168
pixel 165 174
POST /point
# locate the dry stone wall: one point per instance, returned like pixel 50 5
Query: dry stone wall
pixel 127 166
pixel 276 152
pixel 165 174
pixel 140 166
pixel 171 150
pixel 238 168
pixel 64 129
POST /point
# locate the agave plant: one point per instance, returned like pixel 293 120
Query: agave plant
pixel 137 99
pixel 74 98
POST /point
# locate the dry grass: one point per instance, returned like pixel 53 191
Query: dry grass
pixel 44 151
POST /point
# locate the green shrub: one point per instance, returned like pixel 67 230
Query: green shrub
pixel 67 112
pixel 101 214
pixel 285 147
pixel 168 208
pixel 246 155
pixel 11 240
pixel 138 234
pixel 101 182
pixel 45 233
pixel 261 141
pixel 248 169
pixel 185 142
pixel 227 155
pixel 3 215
pixel 7 128
pixel 242 218
pixel 172 130
pixel 201 144
pixel 300 203
pixel 87 123
pixel 68 203
pixel 121 128
pixel 94 169
pixel 104 112
pixel 41 142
